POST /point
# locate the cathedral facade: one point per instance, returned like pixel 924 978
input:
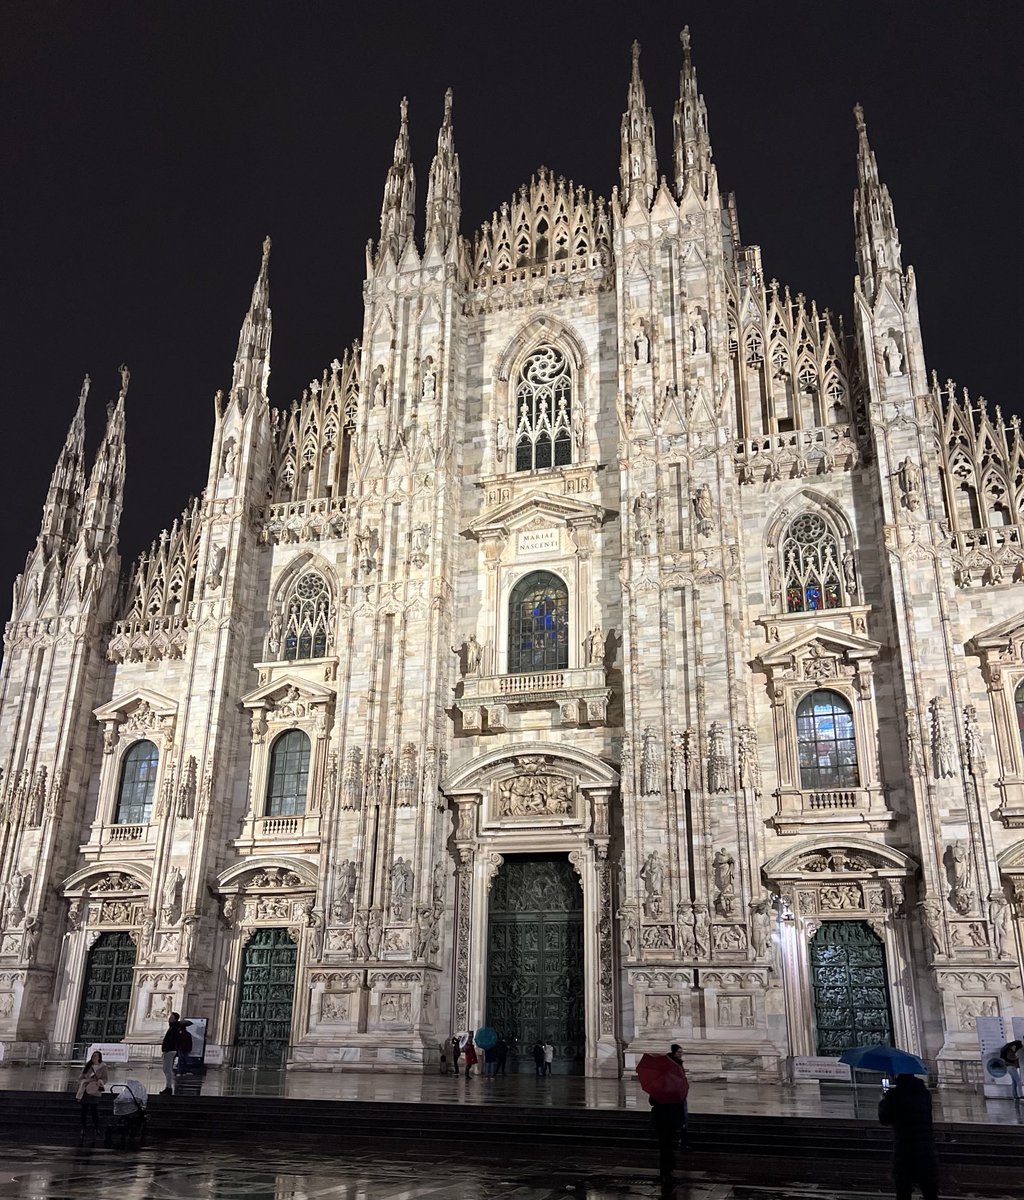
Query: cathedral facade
pixel 610 648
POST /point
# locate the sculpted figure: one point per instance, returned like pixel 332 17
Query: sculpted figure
pixel 401 888
pixel 702 929
pixel 908 475
pixel 653 875
pixel 595 646
pixel 893 355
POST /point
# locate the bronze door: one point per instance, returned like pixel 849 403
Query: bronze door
pixel 265 995
pixel 107 993
pixel 851 987
pixel 535 958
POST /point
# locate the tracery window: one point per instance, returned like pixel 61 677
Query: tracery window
pixel 1018 704
pixel 538 624
pixel 309 612
pixel 826 744
pixel 811 564
pixel 138 784
pixel 288 781
pixel 544 411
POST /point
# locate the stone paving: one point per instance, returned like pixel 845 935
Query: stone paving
pixel 181 1173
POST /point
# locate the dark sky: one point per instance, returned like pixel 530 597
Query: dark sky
pixel 147 148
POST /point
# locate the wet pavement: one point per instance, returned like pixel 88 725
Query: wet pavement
pixel 706 1096
pixel 180 1173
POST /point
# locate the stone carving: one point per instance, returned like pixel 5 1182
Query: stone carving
pixel 275 634
pixel 385 773
pixel 653 875
pixel 429 390
pixel 735 1012
pixel 704 509
pixel 748 766
pixel 427 943
pixel 943 756
pixel 970 1008
pixel 892 355
pixel 172 895
pixel 407 776
pixel 629 927
pixel 999 923
pixel 375 931
pixel 16 886
pixel 536 796
pixel 501 438
pixel 662 1012
pixel 187 789
pixel 215 574
pixel 36 799
pixel 915 760
pixel 718 762
pixel 440 882
pixel 595 647
pixel 364 542
pixel 685 939
pixel 148 933
pixel 761 921
pixel 702 929
pixel 908 476
pixel 723 867
pixel 730 939
pixel 352 779
pixel 958 857
pixel 677 761
pixel 976 761
pixel 344 891
pixel 396 1007
pixel 698 333
pixel 839 897
pixel 643 521
pixel 470 654
pixel 116 881
pixel 657 937
pixel 641 343
pixel 361 935
pixel 650 765
pixel 401 889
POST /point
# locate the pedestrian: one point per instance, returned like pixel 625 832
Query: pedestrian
pixel 456 1053
pixel 907 1107
pixel 471 1055
pixel 669 1116
pixel 1012 1055
pixel 549 1057
pixel 490 1060
pixel 501 1054
pixel 169 1050
pixel 538 1058
pixel 91 1084
pixel 184 1046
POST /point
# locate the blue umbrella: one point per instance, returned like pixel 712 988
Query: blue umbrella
pixel 886 1059
pixel 485 1038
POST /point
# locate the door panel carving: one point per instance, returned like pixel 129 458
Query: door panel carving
pixel 265 995
pixel 851 987
pixel 107 993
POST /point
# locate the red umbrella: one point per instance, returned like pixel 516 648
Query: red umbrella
pixel 662 1078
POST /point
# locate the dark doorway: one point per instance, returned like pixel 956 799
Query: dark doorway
pixel 535 958
pixel 265 996
pixel 851 987
pixel 107 993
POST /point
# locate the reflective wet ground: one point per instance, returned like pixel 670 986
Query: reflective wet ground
pixel 180 1173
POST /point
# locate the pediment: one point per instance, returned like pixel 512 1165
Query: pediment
pixel 823 643
pixel 521 511
pixel 130 703
pixel 106 877
pixel 285 689
pixel 850 856
pixel 999 637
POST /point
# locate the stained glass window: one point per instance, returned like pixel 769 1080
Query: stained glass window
pixel 138 784
pixel 826 744
pixel 538 624
pixel 810 559
pixel 544 411
pixel 289 775
pixel 309 612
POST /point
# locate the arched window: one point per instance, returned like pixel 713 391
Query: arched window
pixel 538 624
pixel 138 784
pixel 309 613
pixel 289 775
pixel 543 411
pixel 811 561
pixel 1018 704
pixel 825 742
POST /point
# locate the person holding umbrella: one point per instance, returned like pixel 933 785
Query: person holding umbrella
pixel 663 1078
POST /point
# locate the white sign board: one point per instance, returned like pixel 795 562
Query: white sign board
pixel 538 541
pixel 214 1055
pixel 112 1051
pixel 811 1067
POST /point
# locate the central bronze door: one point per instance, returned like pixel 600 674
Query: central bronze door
pixel 535 958
pixel 265 997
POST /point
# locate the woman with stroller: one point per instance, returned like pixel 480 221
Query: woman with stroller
pixel 91 1084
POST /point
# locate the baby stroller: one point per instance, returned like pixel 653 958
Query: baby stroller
pixel 129 1114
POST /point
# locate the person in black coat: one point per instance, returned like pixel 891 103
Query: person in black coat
pixel 907 1107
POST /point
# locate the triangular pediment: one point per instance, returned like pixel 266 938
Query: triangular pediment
pixel 140 698
pixel 520 511
pixel 825 641
pixel 1001 636
pixel 285 686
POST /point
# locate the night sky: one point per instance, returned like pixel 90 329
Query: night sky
pixel 146 149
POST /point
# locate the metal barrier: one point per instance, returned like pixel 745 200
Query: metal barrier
pixel 67 1054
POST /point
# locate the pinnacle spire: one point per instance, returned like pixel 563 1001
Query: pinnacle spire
pixel 251 374
pixel 443 188
pixel 874 221
pixel 398 211
pixel 62 511
pixel 638 166
pixel 104 496
pixel 691 143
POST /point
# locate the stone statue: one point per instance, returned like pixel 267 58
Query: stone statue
pixel 761 927
pixel 931 922
pixel 908 475
pixel 15 886
pixel 345 890
pixel 892 354
pixel 172 893
pixel 364 545
pixel 724 866
pixel 999 922
pixel 316 937
pixel 774 581
pixel 960 860
pixel 650 765
pixel 595 647
pixel 702 929
pixel 643 515
pixel 401 889
pixel 375 931
pixel 361 936
pixel 426 933
pixel 630 931
pixel 684 930
pixel 642 345
pixel 704 507
pixel 501 438
pixel 473 652
pixel 850 574
pixel 653 875
pixel 148 931
pixel 429 382
pixel 440 882
pixel 276 633
pixel 942 744
pixel 30 942
pixel 698 334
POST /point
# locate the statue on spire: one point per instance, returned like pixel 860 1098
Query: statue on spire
pixel 638 166
pixel 879 254
pixel 443 188
pixel 691 144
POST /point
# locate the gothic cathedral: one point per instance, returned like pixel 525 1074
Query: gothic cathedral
pixel 609 648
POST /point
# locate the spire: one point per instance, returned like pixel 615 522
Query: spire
pixel 251 375
pixel 398 212
pixel 878 239
pixel 62 511
pixel 638 168
pixel 691 144
pixel 443 188
pixel 104 496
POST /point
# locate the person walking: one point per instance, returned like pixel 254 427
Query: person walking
pixel 669 1116
pixel 169 1049
pixel 471 1055
pixel 907 1108
pixel 549 1057
pixel 1012 1055
pixel 500 1055
pixel 456 1054
pixel 92 1083
pixel 538 1058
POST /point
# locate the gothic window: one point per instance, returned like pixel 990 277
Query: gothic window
pixel 1018 704
pixel 826 744
pixel 289 775
pixel 810 562
pixel 309 613
pixel 138 784
pixel 544 411
pixel 538 624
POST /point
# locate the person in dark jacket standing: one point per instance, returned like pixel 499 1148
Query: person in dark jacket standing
pixel 169 1048
pixel 538 1058
pixel 907 1107
pixel 501 1054
pixel 456 1053
pixel 669 1121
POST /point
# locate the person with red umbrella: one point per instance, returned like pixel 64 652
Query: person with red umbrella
pixel 663 1078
